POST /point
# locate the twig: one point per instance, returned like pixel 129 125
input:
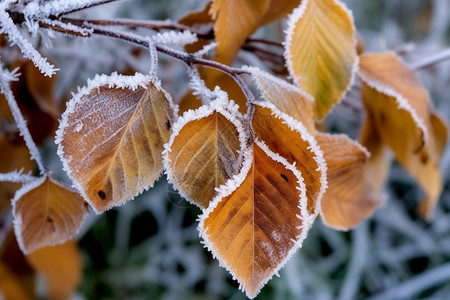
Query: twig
pixel 16 176
pixel 92 4
pixel 20 121
pixel 433 60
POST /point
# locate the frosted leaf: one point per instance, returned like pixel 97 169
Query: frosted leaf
pixel 112 135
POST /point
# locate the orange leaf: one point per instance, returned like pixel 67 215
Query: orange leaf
pixel 290 139
pixel 349 198
pixel 235 21
pixel 288 98
pixel 61 267
pixel 320 51
pixel 204 150
pixel 279 9
pixel 402 115
pixel 46 213
pixel 198 17
pixel 10 286
pixel 112 135
pixel 258 219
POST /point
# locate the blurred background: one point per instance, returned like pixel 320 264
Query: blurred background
pixel 150 248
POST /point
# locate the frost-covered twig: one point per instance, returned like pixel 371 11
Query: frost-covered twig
pixel 433 60
pixel 56 8
pixel 16 176
pixel 5 78
pixel 8 27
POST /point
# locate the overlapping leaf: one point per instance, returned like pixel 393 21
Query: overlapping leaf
pixel 290 139
pixel 112 136
pixel 320 51
pixel 401 112
pixel 61 267
pixel 258 218
pixel 286 97
pixel 349 197
pixel 278 9
pixel 46 213
pixel 204 150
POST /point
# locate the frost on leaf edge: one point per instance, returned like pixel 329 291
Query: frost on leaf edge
pixel 114 80
pixel 222 105
pixel 232 185
pixel 17 222
pixel 402 102
pixel 298 127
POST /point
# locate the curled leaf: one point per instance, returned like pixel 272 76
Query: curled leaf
pixel 402 115
pixel 320 51
pixel 204 150
pixel 46 213
pixel 258 219
pixel 112 135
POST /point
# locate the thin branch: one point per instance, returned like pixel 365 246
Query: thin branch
pixel 5 78
pixel 155 25
pixel 432 61
pixel 265 41
pixel 89 5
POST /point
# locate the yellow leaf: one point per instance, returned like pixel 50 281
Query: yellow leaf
pixel 61 267
pixel 234 22
pixel 258 219
pixel 290 139
pixel 320 51
pixel 204 150
pixel 46 213
pixel 349 198
pixel 112 135
pixel 10 286
pixel 288 98
pixel 402 115
pixel 279 9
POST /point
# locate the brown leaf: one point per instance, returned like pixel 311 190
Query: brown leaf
pixel 12 157
pixel 403 117
pixel 112 136
pixel 288 98
pixel 204 150
pixel 61 267
pixel 41 88
pixel 290 139
pixel 234 22
pixel 258 219
pixel 349 198
pixel 46 213
pixel 320 51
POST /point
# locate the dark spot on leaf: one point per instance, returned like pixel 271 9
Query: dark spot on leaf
pixel 424 158
pixel 168 125
pixel 284 177
pixel 102 194
pixel 50 220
